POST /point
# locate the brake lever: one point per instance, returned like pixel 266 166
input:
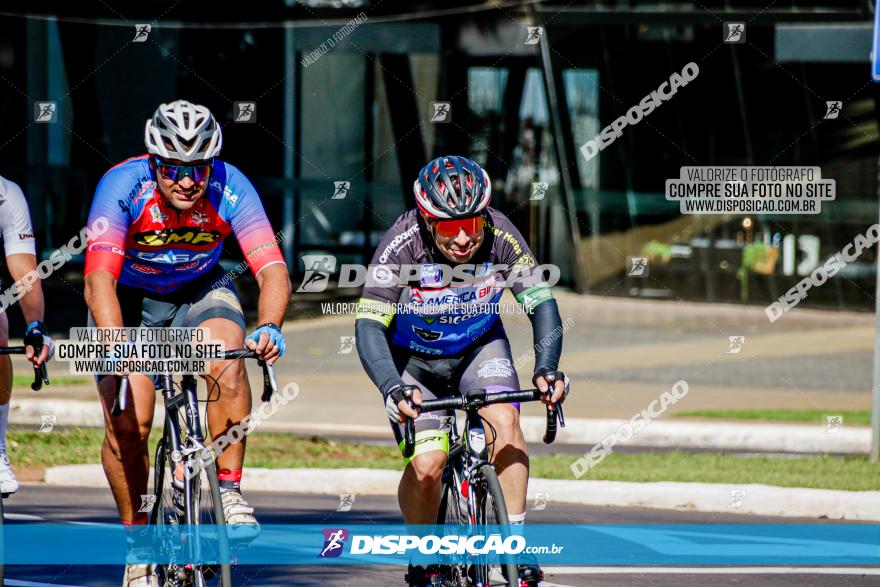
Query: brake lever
pixel 270 384
pixel 409 428
pixel 35 340
pixel 41 376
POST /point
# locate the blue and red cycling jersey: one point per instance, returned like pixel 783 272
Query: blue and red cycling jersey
pixel 153 246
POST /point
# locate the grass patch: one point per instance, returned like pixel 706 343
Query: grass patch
pixel 852 473
pixel 855 417
pixel 55 380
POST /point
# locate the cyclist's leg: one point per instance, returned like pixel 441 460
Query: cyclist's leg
pixel 490 365
pixel 219 310
pixel 419 489
pixel 5 363
pixel 124 452
pixel 8 482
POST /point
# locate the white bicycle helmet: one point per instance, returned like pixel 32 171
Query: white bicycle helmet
pixel 182 130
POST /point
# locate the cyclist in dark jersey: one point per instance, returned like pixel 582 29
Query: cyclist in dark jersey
pixel 157 266
pixel 437 337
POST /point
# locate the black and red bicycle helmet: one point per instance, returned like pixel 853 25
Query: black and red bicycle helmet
pixel 439 195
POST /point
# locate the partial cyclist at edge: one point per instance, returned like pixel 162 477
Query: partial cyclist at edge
pixel 169 212
pixel 21 260
pixel 434 355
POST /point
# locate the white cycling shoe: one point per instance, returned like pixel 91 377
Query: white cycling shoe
pixel 140 576
pixel 240 516
pixel 8 482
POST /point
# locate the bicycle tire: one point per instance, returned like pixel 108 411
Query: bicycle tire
pixel 487 487
pixel 215 516
pixel 453 518
pixel 2 542
pixel 164 511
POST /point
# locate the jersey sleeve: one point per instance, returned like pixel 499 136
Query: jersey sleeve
pixel 383 287
pixel 522 273
pixel 108 223
pixel 18 233
pixel 250 225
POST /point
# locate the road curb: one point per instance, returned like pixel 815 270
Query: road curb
pixel 754 499
pixel 720 435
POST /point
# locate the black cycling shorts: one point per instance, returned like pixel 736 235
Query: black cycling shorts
pixel 187 307
pixel 487 364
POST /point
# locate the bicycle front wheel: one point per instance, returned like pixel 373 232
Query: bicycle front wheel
pixel 491 511
pixel 206 508
pixel 453 516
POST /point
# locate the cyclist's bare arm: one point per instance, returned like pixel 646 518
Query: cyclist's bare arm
pixel 274 296
pixel 32 304
pixel 274 293
pixel 102 301
pixel 20 265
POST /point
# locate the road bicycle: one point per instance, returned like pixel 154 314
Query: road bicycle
pixel 186 491
pixel 471 493
pixel 41 377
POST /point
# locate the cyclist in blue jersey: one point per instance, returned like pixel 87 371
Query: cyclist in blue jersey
pixel 169 212
pixel 419 332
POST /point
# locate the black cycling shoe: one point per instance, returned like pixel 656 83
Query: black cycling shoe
pixel 419 576
pixel 529 575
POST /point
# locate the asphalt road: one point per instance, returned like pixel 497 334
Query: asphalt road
pixel 34 503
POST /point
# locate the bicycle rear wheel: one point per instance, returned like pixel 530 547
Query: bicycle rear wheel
pixel 491 511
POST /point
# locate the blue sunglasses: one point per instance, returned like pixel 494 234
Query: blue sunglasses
pixel 178 172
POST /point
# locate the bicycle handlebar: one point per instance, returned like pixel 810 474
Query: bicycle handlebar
pixel 35 340
pixel 476 399
pixel 270 384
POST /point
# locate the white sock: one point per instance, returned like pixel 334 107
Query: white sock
pixel 4 422
pixel 517 519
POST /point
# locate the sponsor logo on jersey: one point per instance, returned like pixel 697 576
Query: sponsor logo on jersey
pixel 156 214
pixel 194 267
pixel 431 274
pixel 497 367
pixel 145 269
pixel 450 297
pixel 525 260
pixel 428 335
pixel 448 319
pixel 199 218
pixel 382 274
pixel 169 256
pixel 423 349
pixel 107 247
pixel 23 236
pixel 226 191
pixel 509 239
pixel 398 242
pixel 477 330
pixel 144 186
pixel 187 266
pixel 170 236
